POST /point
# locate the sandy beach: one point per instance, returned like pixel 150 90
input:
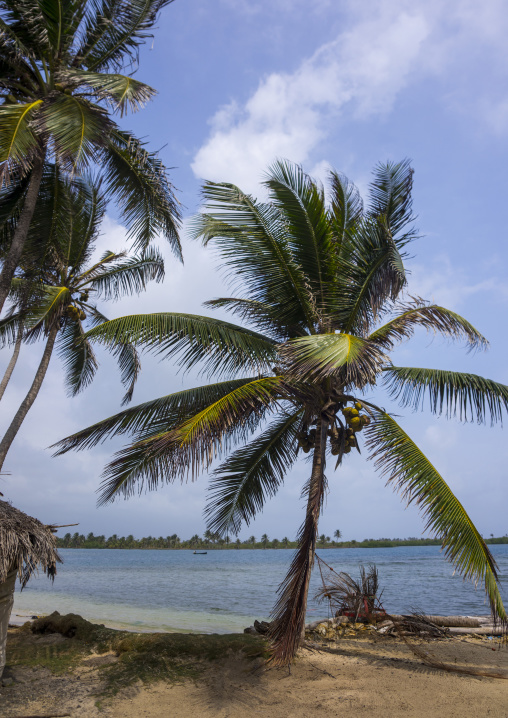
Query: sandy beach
pixel 366 676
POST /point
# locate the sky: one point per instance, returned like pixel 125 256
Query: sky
pixel 325 84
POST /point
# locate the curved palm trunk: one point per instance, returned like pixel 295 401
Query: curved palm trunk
pixel 288 626
pixel 18 241
pixel 10 368
pixel 29 398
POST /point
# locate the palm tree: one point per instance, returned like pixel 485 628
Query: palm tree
pixel 60 84
pixel 337 534
pixel 316 281
pixel 322 539
pixel 285 541
pixel 51 292
pixel 252 540
pixel 264 540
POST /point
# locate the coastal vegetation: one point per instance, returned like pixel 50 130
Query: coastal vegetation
pixel 319 285
pixel 173 542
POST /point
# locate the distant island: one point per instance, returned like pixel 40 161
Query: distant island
pixel 213 542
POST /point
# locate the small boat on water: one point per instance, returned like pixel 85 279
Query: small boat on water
pixel 201 553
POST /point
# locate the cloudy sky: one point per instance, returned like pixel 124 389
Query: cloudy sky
pixel 326 83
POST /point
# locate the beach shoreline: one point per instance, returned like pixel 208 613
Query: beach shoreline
pixel 365 675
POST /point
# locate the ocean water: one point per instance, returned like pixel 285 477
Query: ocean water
pixel 225 591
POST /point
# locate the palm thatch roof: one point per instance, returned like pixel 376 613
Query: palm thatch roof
pixel 25 545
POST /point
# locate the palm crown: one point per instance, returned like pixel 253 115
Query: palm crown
pixel 60 82
pixel 315 280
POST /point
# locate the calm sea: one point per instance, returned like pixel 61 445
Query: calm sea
pixel 225 591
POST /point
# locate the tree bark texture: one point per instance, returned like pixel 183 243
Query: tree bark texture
pixel 10 368
pixel 21 232
pixel 29 399
pixel 288 626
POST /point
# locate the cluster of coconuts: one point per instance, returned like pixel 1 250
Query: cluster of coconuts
pixel 345 437
pixel 75 313
pixel 307 440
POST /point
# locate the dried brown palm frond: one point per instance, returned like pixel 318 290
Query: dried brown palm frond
pixel 354 598
pixel 25 545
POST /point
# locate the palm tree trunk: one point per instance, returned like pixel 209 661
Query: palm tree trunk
pixel 30 397
pixel 21 232
pixel 10 368
pixel 288 626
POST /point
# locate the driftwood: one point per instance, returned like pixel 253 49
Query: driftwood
pixel 449 621
pixel 481 631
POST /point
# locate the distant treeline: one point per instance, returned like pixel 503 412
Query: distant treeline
pixel 212 541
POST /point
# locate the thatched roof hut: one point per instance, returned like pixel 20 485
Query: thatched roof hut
pixel 25 545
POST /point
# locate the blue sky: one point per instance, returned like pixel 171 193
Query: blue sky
pixel 346 84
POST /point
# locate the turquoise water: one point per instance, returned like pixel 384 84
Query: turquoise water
pixel 225 591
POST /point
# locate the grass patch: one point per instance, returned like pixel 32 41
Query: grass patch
pixel 146 657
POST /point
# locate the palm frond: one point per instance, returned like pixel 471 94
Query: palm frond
pixel 137 180
pixel 126 276
pixel 121 92
pixel 77 357
pixel 18 143
pixel 151 417
pixel 468 396
pixel 190 339
pixel 323 355
pixel 346 208
pixel 77 128
pixel 241 485
pixel 251 240
pixel 432 318
pixel 264 317
pixel 390 198
pixel 114 30
pixel 192 445
pixel 409 471
pixel 302 204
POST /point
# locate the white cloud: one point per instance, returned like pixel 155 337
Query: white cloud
pixel 357 75
pixel 287 115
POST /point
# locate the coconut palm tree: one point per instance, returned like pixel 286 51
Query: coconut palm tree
pixel 264 540
pixel 319 285
pixel 60 84
pixel 55 291
pixel 337 534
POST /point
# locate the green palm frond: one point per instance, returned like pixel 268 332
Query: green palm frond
pixel 220 347
pixel 264 317
pixel 18 143
pixel 468 396
pixel 9 327
pixel 390 198
pixel 410 472
pixel 324 355
pixel 127 276
pixel 49 309
pixel 77 357
pixel 126 354
pixel 302 204
pixel 210 432
pixel 114 30
pixel 432 318
pixel 151 417
pixel 346 209
pixel 191 446
pixel 241 485
pixel 372 274
pixel 77 127
pixel 252 243
pixel 121 92
pixel 137 180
